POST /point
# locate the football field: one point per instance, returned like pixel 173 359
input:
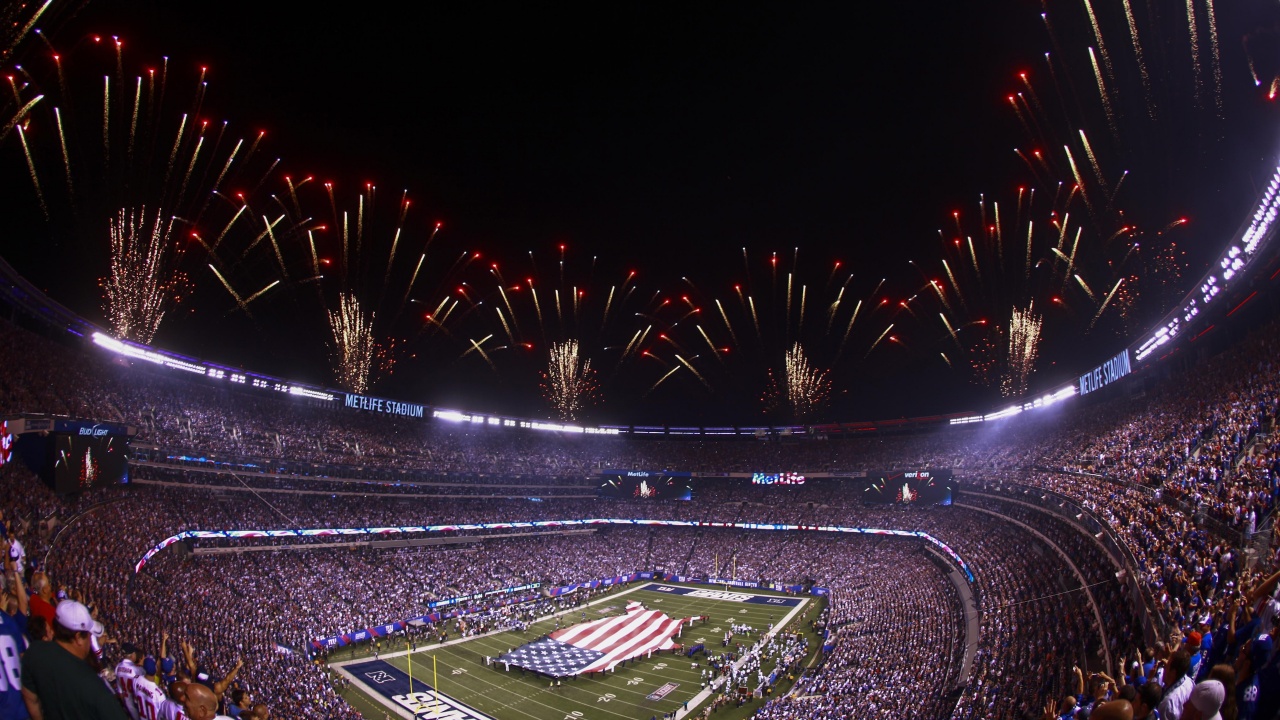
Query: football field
pixel 468 689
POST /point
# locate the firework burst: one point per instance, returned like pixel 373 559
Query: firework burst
pixel 354 345
pixel 804 389
pixel 535 301
pixel 98 132
pixel 335 248
pixel 1023 349
pixel 779 305
pixel 569 384
pixel 144 282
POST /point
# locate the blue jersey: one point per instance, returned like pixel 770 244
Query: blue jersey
pixel 1247 700
pixel 12 644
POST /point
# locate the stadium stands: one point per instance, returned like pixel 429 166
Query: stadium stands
pixel 1177 483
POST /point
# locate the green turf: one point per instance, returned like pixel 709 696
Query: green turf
pixel 620 695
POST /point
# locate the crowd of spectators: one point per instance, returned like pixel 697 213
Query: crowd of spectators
pixel 1181 477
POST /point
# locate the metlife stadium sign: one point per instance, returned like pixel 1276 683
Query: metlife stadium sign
pixel 1106 373
pixel 390 407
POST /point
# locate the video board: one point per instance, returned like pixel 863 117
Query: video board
pixel 83 462
pixel 645 485
pixel 910 487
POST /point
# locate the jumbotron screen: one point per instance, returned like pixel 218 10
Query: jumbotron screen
pixel 80 463
pixel 645 485
pixel 911 487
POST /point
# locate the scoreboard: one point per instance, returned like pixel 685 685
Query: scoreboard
pixel 911 487
pixel 645 485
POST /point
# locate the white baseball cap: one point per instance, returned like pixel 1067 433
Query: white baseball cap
pixel 75 616
pixel 1207 697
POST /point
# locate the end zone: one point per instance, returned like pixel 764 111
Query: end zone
pixel 390 685
pixel 726 595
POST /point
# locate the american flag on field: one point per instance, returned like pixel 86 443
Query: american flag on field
pixel 598 645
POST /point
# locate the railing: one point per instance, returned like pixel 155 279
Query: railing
pixel 1261 543
pixel 1071 510
pixel 53 542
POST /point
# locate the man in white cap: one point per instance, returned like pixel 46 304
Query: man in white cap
pixel 1205 701
pixel 57 681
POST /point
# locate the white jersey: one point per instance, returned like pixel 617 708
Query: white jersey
pixel 171 710
pixel 148 696
pixel 19 555
pixel 127 674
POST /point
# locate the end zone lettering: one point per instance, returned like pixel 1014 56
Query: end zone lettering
pixel 726 595
pixel 720 595
pixel 662 692
pixel 433 705
pixel 393 688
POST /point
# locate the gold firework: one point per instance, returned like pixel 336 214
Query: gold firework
pixel 805 388
pixel 1024 348
pixel 354 346
pixel 569 382
pixel 144 282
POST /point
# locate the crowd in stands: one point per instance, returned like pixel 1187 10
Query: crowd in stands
pixel 865 676
pixel 1181 477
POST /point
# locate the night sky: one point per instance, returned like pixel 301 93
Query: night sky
pixel 664 140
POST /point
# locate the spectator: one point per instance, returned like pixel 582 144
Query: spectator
pixel 1205 701
pixel 1147 700
pixel 1177 686
pixel 57 681
pixel 42 603
pixel 202 703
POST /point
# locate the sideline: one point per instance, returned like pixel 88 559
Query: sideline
pixel 711 689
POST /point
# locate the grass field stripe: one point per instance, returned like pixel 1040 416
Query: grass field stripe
pixel 610 597
pixel 544 691
pixel 525 697
pixel 773 628
pixel 592 689
pixel 485 699
pixel 529 684
pixel 683 675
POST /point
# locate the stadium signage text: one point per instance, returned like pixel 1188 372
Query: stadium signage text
pixel 390 407
pixel 420 699
pixel 662 692
pixel 1106 373
pixel 720 595
pixel 433 705
pixel 723 594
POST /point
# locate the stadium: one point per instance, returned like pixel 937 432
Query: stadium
pixel 271 448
